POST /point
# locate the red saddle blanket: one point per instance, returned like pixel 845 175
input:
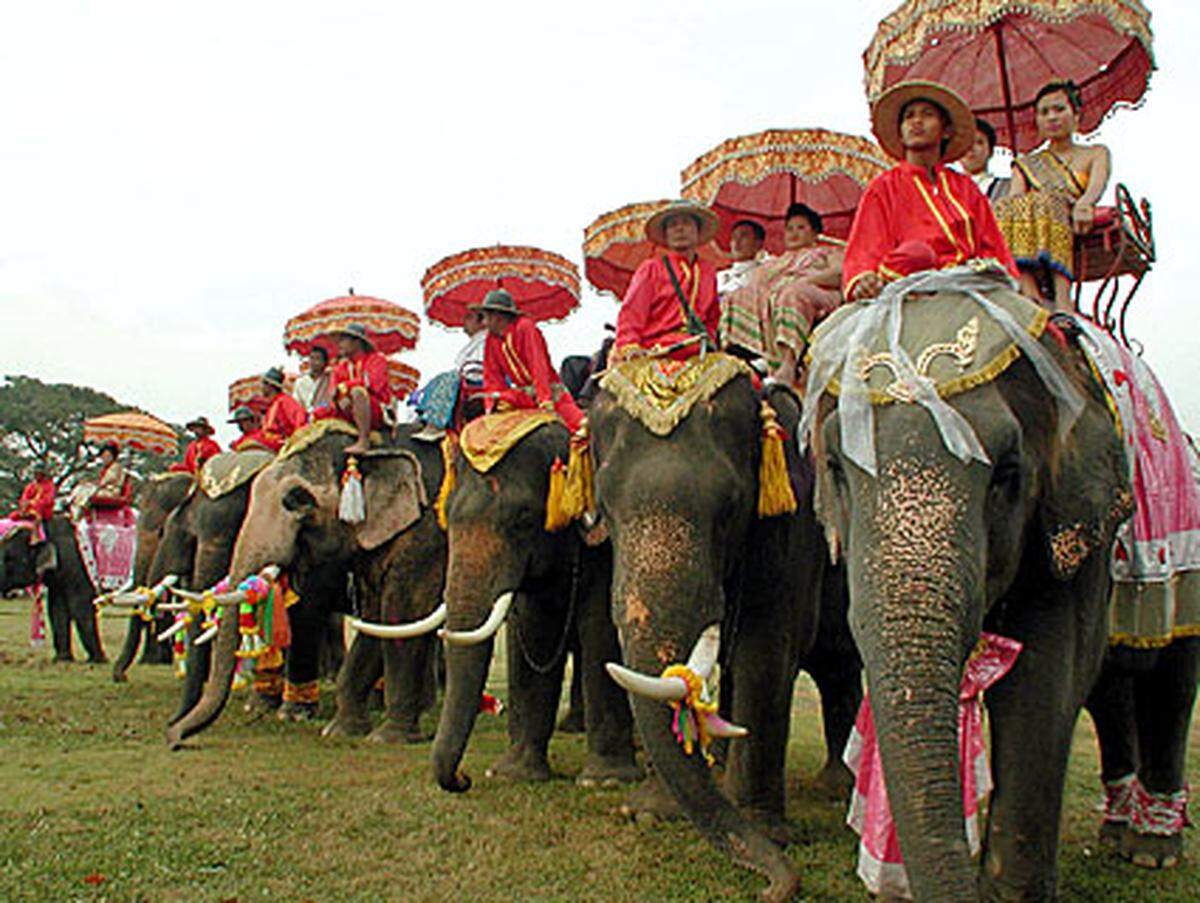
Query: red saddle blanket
pixel 107 540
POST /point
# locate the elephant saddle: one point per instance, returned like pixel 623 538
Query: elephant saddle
pixel 660 392
pixel 487 439
pixel 223 473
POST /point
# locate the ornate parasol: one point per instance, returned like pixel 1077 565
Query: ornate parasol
pixel 544 285
pixel 391 327
pixel 758 176
pixel 615 244
pixel 134 429
pixel 998 53
pixel 248 390
pixel 402 377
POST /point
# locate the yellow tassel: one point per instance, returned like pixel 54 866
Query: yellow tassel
pixel 775 495
pixel 579 493
pixel 557 516
pixel 449 444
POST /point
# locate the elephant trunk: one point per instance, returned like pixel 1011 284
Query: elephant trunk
pixel 216 690
pixel 466 675
pixel 129 649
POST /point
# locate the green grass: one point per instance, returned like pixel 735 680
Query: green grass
pixel 255 810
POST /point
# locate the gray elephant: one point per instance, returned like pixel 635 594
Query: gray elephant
pixel 395 554
pixel 1012 541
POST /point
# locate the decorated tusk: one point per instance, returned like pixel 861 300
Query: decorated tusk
pixel 234 598
pixel 705 652
pixel 187 594
pixel 172 630
pixel 207 635
pixel 402 631
pixel 486 630
pixel 719 727
pixel 172 606
pixel 664 689
pixel 270 573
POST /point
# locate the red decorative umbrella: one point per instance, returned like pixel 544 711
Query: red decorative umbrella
pixel 402 378
pixel 248 390
pixel 998 53
pixel 134 429
pixel 544 285
pixel 615 244
pixel 759 176
pixel 391 327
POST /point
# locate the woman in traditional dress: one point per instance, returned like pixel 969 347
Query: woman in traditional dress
pixel 773 316
pixel 1053 196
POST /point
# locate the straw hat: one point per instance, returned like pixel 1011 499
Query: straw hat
pixel 200 425
pixel 885 117
pixel 704 217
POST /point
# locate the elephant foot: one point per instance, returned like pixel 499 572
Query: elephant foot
pixel 782 888
pixel 120 677
pixel 571 723
pixel 521 764
pixel 297 711
pixel 599 771
pixel 391 731
pixel 61 659
pixel 650 802
pixel 1112 834
pixel 773 826
pixel 1152 851
pixel 258 704
pixel 347 725
pixel 834 781
pixel 97 660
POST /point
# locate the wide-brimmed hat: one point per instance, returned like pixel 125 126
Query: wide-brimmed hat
pixel 200 425
pixel 499 300
pixel 707 221
pixel 358 331
pixel 885 117
pixel 274 377
pixel 241 412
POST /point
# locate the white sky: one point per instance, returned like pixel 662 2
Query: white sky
pixel 179 179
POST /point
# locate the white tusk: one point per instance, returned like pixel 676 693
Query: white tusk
pixel 270 573
pixel 719 727
pixel 124 600
pixel 402 631
pixel 172 630
pixel 664 689
pixel 207 635
pixel 486 630
pixel 187 594
pixel 705 652
pixel 233 598
pixel 166 583
pixel 172 606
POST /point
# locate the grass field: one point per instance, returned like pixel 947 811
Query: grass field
pixel 94 807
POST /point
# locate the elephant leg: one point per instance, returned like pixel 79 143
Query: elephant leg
pixel 60 625
pixel 360 671
pixel 154 652
pixel 407 675
pixel 83 613
pixel 534 686
pixel 302 663
pixel 333 646
pixel 840 686
pixel 129 649
pixel 1111 705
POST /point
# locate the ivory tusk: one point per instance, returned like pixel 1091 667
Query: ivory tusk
pixel 172 606
pixel 705 652
pixel 486 630
pixel 402 631
pixel 187 594
pixel 270 573
pixel 664 689
pixel 171 631
pixel 207 635
pixel 719 727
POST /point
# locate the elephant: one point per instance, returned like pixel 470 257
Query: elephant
pixel 54 562
pixel 691 556
pixel 551 587
pixel 395 554
pixel 156 498
pixel 938 551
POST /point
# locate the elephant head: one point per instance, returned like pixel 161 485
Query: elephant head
pixel 23 560
pixel 291 522
pixel 933 546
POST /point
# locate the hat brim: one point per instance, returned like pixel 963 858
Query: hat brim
pixel 885 117
pixel 199 425
pixel 515 311
pixel 656 229
pixel 365 339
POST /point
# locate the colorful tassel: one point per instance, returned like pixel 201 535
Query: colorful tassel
pixel 556 515
pixel 352 506
pixel 693 713
pixel 579 493
pixel 449 444
pixel 775 494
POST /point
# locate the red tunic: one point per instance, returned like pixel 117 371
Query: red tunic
pixel 284 416
pixel 948 218
pixel 198 451
pixel 367 370
pixel 652 315
pixel 517 368
pixel 247 441
pixel 37 501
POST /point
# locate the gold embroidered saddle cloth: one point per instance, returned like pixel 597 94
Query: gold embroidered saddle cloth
pixel 950 339
pixel 660 392
pixel 487 439
pixel 223 473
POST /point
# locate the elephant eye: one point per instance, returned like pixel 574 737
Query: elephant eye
pixel 1006 475
pixel 299 500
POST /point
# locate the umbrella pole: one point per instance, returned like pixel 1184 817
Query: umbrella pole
pixel 1009 118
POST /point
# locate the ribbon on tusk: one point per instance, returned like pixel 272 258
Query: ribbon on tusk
pixel 696 723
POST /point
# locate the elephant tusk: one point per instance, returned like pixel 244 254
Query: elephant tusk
pixel 402 631
pixel 705 652
pixel 172 606
pixel 172 630
pixel 207 635
pixel 486 630
pixel 719 727
pixel 187 594
pixel 664 689
pixel 270 573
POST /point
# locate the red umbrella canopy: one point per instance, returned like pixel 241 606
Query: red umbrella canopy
pixel 999 53
pixel 615 245
pixel 391 327
pixel 402 378
pixel 248 390
pixel 134 429
pixel 757 177
pixel 544 285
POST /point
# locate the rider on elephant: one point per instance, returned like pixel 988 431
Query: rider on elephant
pixel 517 372
pixel 247 423
pixel 920 215
pixel 113 489
pixel 671 304
pixel 361 388
pixel 199 449
pixel 37 501
pixel 284 414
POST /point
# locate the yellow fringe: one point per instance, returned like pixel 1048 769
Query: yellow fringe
pixel 775 494
pixel 579 493
pixel 557 516
pixel 449 443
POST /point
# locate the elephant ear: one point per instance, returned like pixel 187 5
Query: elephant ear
pixel 395 497
pixel 46 558
pixel 1087 491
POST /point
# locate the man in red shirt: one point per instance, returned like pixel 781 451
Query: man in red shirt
pixel 199 449
pixel 361 386
pixel 672 298
pixel 283 417
pixel 920 215
pixel 37 498
pixel 247 423
pixel 517 372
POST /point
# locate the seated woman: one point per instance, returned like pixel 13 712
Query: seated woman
pixel 774 314
pixel 113 488
pixel 1053 196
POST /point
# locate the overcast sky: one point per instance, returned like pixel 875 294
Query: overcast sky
pixel 178 179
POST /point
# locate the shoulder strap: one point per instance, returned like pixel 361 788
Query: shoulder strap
pixel 694 325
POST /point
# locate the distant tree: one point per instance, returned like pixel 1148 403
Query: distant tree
pixel 42 423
